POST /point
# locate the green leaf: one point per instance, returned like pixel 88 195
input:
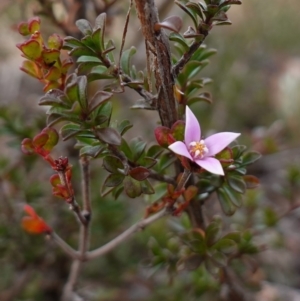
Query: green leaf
pixel 270 217
pixel 196 9
pixel 32 69
pixel 109 136
pixel 100 24
pixel 31 49
pixel 89 59
pixel 147 162
pixel 225 202
pixel 69 130
pixel 195 241
pixel 80 51
pixel 235 236
pixel 147 187
pixel 190 12
pixel 154 151
pixel 72 92
pixel 84 26
pixel 177 130
pixel 176 37
pixel 98 73
pixel 113 164
pixel 53 74
pixel 124 126
pixel 124 147
pixel 226 246
pixel 235 197
pixel 138 147
pixel 114 180
pixel 50 56
pixel 92 151
pixel 126 60
pixel 98 99
pixel 250 157
pixel 236 183
pixel 53 138
pixel 238 150
pixel 70 43
pixel 132 187
pixel 82 92
pixel 213 232
pixel 55 41
pixel 202 97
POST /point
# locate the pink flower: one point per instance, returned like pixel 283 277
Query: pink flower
pixel 202 151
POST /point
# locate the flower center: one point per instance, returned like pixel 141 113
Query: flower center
pixel 198 149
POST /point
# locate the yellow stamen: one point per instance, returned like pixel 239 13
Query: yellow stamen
pixel 198 149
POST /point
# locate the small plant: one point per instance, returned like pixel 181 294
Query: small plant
pixel 176 170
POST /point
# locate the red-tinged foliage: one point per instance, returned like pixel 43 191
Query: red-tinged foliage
pixel 33 223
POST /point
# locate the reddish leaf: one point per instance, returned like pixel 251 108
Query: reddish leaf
pixel 52 138
pixel 23 29
pixel 27 147
pixel 177 130
pixel 33 223
pixel 173 23
pixel 32 69
pixel 251 181
pixel 53 74
pixel 55 180
pixel 34 24
pixel 40 140
pixel 139 173
pixel 31 49
pixel 190 193
pixel 55 41
pixel 51 85
pixel 161 134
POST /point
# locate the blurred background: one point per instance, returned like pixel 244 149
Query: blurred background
pixel 255 91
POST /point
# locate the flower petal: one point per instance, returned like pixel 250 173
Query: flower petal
pixel 179 148
pixel 217 142
pixel 192 127
pixel 212 165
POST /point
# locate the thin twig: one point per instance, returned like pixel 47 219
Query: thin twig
pixel 85 186
pixel 64 246
pixel 124 32
pixel 84 232
pixel 125 235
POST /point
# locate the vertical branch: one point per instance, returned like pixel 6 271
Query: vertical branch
pixel 159 45
pixel 164 75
